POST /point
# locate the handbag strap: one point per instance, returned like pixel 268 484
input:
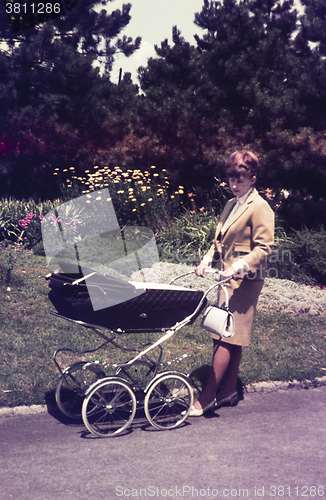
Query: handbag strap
pixel 230 315
pixel 226 297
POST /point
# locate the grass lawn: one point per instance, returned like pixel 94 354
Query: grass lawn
pixel 283 347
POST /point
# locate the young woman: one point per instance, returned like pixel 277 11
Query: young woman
pixel 243 241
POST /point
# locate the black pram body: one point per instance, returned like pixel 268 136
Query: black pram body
pixel 152 306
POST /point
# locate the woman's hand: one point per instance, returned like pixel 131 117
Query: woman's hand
pixel 227 273
pixel 200 270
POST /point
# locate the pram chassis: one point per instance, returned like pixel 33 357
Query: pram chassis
pixel 108 404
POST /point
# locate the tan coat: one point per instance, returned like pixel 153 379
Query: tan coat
pixel 250 236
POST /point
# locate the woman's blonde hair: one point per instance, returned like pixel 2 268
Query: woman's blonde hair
pixel 242 163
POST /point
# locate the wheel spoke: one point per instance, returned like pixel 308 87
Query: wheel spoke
pixel 114 407
pixel 168 401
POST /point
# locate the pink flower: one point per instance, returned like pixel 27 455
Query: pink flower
pixel 201 209
pixel 192 212
pixel 24 222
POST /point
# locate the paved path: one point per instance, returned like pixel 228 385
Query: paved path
pixel 269 446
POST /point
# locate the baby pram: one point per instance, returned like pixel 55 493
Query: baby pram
pixel 108 404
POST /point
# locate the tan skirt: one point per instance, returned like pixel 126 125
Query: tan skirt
pixel 243 298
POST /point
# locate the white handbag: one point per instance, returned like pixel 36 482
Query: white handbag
pixel 219 320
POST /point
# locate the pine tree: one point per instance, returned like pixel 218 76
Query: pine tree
pixel 57 109
pixel 254 81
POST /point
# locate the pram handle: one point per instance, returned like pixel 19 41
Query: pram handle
pixel 209 270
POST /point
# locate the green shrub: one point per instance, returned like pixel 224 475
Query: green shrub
pixel 188 237
pixel 299 256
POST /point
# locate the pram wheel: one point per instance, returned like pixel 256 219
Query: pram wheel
pixel 71 387
pixel 109 407
pixel 168 401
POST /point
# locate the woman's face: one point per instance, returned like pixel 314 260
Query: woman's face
pixel 240 185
